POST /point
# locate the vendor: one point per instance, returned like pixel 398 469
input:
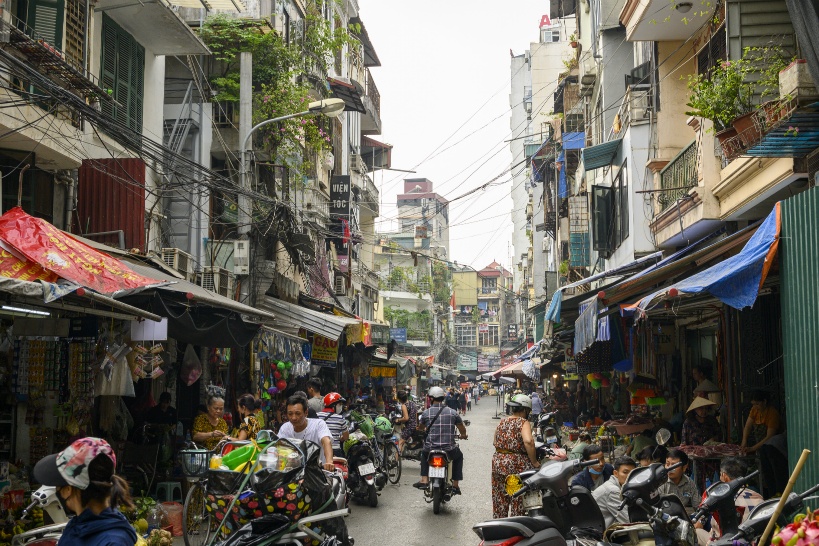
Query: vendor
pixel 700 426
pixel 210 428
pixel 762 429
pixel 641 441
pixel 163 413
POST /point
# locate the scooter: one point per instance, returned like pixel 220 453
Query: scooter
pixel 555 510
pixel 749 531
pixel 719 498
pixel 547 428
pixel 363 482
pixel 46 498
pixel 439 491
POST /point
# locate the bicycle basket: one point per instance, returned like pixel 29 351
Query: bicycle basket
pixel 195 462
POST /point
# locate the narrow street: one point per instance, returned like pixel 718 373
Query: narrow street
pixel 402 511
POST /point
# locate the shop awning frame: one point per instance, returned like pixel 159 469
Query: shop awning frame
pixel 293 317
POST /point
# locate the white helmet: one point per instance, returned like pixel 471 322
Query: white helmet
pixel 521 400
pixel 438 392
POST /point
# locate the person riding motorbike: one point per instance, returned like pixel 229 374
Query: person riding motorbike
pixel 442 422
pixel 608 495
pixel 594 476
pixel 333 408
pixel 730 469
pixel 87 485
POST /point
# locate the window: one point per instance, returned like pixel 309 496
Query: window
pixel 488 334
pixel 548 35
pixel 489 285
pixel 43 20
pixel 123 67
pixel 465 335
pixel 610 213
pixel 715 51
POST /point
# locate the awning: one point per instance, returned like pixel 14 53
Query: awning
pixel 293 317
pixel 515 368
pixel 199 294
pixel 210 5
pixel 349 92
pixel 735 281
pixel 595 157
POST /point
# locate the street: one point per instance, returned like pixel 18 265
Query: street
pixel 402 512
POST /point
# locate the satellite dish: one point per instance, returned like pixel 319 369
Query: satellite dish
pixel 663 436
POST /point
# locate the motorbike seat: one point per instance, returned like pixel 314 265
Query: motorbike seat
pixel 506 528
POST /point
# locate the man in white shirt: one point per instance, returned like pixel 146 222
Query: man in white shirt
pixel 300 427
pixel 608 495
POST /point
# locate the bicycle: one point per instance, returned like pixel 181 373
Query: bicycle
pixel 197 521
pixel 387 455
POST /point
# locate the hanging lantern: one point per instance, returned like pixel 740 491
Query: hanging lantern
pixel 277 374
pixel 272 390
pixel 281 365
pixel 590 376
pixel 596 383
pixel 281 384
pixel 605 382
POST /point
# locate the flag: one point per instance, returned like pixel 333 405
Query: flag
pixel 345 231
pixel 452 301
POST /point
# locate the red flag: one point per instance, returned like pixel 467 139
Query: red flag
pixel 452 301
pixel 346 235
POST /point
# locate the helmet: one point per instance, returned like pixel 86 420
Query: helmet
pixel 331 398
pixel 383 424
pixel 437 392
pixel 521 400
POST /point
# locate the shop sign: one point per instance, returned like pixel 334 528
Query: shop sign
pixel 343 263
pixel 569 365
pixel 325 351
pixel 467 362
pixel 382 371
pixel 25 270
pixel 484 364
pixel 399 334
pixel 67 257
pixel 483 328
pixel 513 332
pixel 379 334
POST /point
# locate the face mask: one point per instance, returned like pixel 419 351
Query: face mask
pixel 61 500
pixel 339 408
pixel 595 472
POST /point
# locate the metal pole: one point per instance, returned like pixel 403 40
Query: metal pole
pixel 245 121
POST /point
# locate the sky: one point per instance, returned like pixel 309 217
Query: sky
pixel 444 86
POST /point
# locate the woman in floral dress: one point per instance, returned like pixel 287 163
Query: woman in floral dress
pixel 514 453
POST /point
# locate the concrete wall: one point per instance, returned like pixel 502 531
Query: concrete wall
pixel 518 123
pixel 673 64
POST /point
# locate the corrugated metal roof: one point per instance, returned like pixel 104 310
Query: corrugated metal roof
pixel 293 316
pixel 595 157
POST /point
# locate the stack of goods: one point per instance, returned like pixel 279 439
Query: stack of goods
pixel 713 450
pixel 81 358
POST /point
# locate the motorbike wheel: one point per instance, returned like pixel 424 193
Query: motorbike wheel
pixel 197 520
pixel 372 496
pixel 392 459
pixel 437 497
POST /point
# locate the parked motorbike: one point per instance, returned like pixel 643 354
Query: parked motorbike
pixel 363 482
pixel 46 498
pixel 719 498
pixel 439 491
pixel 548 428
pixel 555 511
pixel 750 530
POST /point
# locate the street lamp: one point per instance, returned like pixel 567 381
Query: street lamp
pixel 332 108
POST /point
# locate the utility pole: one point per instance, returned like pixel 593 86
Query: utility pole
pixel 245 123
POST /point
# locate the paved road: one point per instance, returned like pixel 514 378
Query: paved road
pixel 402 516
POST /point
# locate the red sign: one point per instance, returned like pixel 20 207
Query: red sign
pixel 62 255
pixel 14 268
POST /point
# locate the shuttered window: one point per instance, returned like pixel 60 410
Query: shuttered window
pixel 123 67
pixel 43 19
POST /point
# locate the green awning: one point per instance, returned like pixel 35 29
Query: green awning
pixel 595 157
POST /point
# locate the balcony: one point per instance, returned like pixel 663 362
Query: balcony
pixel 686 207
pixel 371 121
pixel 355 68
pixel 316 208
pixel 678 177
pixel 662 21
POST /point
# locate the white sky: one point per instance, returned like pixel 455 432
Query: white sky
pixel 444 75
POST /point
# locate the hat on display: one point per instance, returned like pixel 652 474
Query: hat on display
pixel 706 386
pixel 700 402
pixel 70 466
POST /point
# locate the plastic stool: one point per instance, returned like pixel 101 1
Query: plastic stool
pixel 167 491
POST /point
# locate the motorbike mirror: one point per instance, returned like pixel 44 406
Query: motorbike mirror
pixel 675 465
pixel 592 462
pixel 663 436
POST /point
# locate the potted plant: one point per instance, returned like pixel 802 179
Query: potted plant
pixel 721 97
pixel 573 40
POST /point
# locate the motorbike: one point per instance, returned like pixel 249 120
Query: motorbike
pixel 363 482
pixel 719 498
pixel 750 531
pixel 44 498
pixel 555 511
pixel 548 428
pixel 439 491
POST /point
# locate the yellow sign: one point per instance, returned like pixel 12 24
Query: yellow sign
pixel 381 371
pixel 325 350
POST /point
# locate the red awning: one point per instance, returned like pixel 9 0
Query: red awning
pixel 36 250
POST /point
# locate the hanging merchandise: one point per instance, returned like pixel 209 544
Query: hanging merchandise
pixel 191 369
pixel 114 376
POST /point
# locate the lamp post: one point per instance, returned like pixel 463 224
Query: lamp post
pixel 328 107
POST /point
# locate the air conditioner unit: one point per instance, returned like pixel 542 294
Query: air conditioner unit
pixel 179 260
pixel 241 258
pixel 639 102
pixel 218 280
pixel 340 285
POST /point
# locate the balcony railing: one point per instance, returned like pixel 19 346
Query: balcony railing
pixel 679 176
pixel 402 285
pixel 317 205
pixel 373 94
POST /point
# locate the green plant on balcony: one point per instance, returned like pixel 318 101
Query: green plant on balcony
pixel 721 96
pixel 563 269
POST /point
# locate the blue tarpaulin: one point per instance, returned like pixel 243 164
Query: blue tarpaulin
pixel 734 281
pixel 553 314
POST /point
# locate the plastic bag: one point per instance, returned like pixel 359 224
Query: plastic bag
pixel 191 369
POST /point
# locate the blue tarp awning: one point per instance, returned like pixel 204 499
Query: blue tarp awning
pixel 734 281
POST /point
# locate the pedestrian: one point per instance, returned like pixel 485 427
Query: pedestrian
pixel 248 426
pixel 537 406
pixel 88 487
pixel 468 400
pixel 408 419
pixel 316 401
pixel 608 495
pixel 452 401
pixel 476 393
pixel 462 401
pixel 593 477
pixel 514 453
pixel 678 483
